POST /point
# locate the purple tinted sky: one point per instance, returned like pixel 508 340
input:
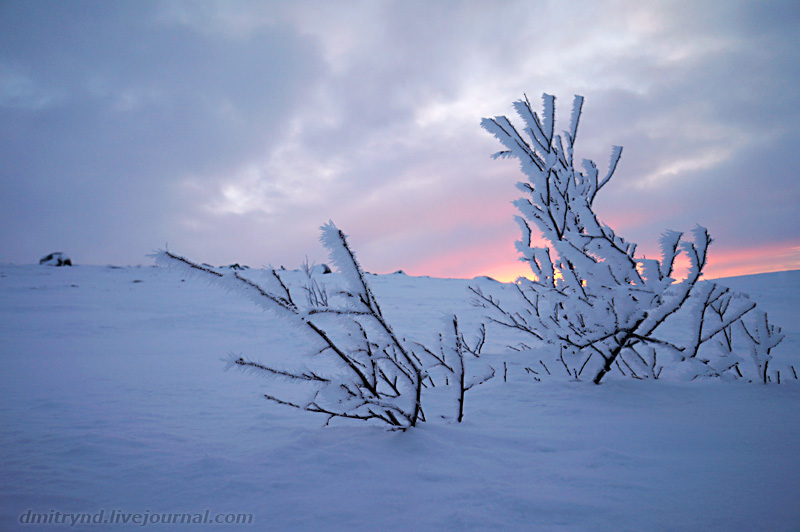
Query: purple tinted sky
pixel 232 130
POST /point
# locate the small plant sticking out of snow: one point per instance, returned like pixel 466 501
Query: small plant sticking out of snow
pixel 380 376
pixel 592 297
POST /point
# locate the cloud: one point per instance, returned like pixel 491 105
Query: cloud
pixel 138 105
pixel 232 130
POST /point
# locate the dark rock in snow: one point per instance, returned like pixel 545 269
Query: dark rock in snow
pixel 56 259
pixel 321 268
pixel 237 267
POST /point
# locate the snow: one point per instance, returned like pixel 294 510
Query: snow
pixel 114 397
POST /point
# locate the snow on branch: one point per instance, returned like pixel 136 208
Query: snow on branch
pixel 592 297
pixel 273 297
pixel 764 337
pixel 459 362
pixel 376 374
pixel 345 261
pixel 379 377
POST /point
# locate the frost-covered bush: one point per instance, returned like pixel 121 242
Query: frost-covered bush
pixel 450 363
pixel 358 367
pixel 592 297
pixel 726 335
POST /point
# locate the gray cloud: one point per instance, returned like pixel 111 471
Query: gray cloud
pixel 232 130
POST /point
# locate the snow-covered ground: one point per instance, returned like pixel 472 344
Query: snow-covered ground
pixel 114 398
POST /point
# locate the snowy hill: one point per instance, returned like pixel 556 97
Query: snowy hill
pixel 114 399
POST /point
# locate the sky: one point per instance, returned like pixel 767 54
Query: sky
pixel 230 131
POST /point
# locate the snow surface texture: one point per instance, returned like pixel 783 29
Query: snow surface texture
pixel 114 397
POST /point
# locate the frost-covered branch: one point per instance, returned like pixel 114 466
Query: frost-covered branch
pixel 591 295
pixel 378 378
pixel 764 337
pixel 458 363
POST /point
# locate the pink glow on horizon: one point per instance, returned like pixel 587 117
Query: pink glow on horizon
pixel 757 259
pixel 466 263
pixel 500 262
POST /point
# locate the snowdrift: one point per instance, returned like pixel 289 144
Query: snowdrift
pixel 115 399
